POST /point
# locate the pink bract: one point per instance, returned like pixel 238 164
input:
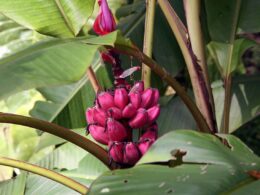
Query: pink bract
pixel 105 22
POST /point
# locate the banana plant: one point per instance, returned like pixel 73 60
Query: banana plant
pixel 128 102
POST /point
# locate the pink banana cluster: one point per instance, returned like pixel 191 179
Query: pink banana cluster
pixel 116 114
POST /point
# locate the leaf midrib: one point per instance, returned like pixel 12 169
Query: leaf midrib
pixel 66 19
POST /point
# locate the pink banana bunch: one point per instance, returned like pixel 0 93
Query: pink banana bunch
pixel 116 114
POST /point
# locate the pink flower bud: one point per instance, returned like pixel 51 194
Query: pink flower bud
pixel 121 98
pixel 153 113
pixel 105 100
pixel 145 145
pixel 135 99
pixel 105 22
pixel 116 152
pixel 98 133
pixel 131 154
pixel 99 116
pixel 129 111
pixel 114 113
pixel 138 87
pixel 156 96
pixel 140 119
pixel 116 131
pixel 150 133
pixel 147 98
pixel 89 115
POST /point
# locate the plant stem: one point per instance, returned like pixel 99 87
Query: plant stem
pixel 59 131
pixel 195 71
pixel 93 80
pixel 227 102
pixel 148 40
pixel 202 124
pixel 192 11
pixel 45 173
pixel 228 72
pixel 227 85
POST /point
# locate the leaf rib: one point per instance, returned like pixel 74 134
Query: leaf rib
pixel 45 173
pixel 66 19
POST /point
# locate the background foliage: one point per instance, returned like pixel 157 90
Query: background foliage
pixel 42 69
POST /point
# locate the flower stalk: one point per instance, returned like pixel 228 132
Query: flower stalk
pixel 200 120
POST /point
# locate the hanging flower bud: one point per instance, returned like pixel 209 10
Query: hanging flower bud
pixel 107 57
pixel 153 113
pixel 129 111
pixel 121 98
pixel 147 98
pixel 156 96
pixel 135 99
pixel 114 113
pixel 98 133
pixel 140 119
pixel 138 87
pixel 131 154
pixel 116 131
pixel 143 146
pixel 105 100
pixel 100 116
pixel 89 115
pixel 116 152
pixel 151 133
pixel 105 22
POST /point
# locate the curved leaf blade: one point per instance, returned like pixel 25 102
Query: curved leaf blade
pixel 89 169
pixel 61 18
pixel 66 105
pixel 201 148
pixel 13 37
pixel 53 62
pixel 154 180
pixel 175 115
pixel 245 104
pixel 15 185
pixel 249 16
